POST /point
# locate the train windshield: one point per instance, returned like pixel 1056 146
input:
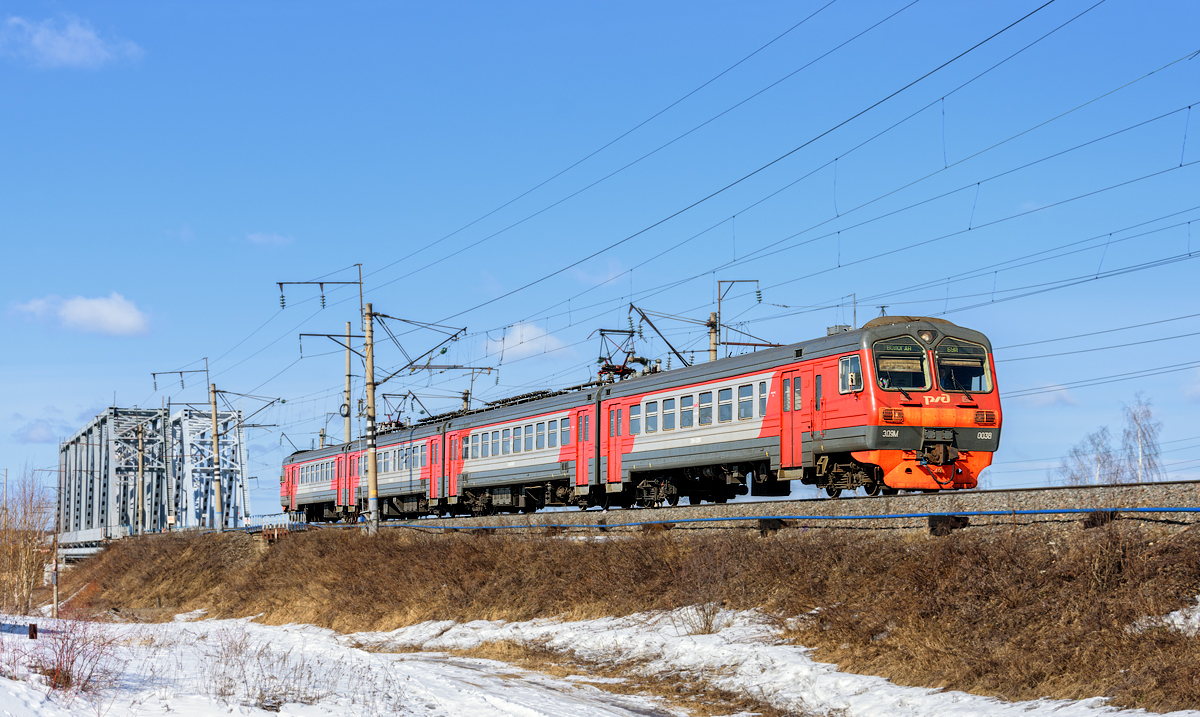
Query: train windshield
pixel 901 364
pixel 962 366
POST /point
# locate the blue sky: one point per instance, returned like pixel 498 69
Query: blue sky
pixel 165 164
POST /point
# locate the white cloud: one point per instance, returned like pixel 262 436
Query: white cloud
pixel 268 239
pixel 1192 390
pixel 68 42
pixel 601 275
pixel 42 431
pixel 1054 395
pixel 524 339
pixel 113 315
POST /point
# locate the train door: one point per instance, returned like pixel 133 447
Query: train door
pixel 804 400
pixel 339 472
pixel 436 474
pixel 791 428
pixel 615 415
pixel 289 486
pixel 584 448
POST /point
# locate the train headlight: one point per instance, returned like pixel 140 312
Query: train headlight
pixel 927 335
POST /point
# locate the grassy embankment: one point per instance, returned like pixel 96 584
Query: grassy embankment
pixel 1019 614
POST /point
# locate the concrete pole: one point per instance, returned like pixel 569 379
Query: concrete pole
pixel 372 458
pixel 216 457
pixel 713 326
pixel 141 482
pixel 347 396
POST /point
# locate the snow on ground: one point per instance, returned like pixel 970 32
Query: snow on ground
pixel 203 668
pixel 1186 620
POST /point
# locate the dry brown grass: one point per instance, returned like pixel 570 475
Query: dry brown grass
pixel 1015 613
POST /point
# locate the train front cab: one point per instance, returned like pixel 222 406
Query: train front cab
pixel 914 408
pixel 934 417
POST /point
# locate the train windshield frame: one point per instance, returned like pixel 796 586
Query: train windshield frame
pixel 901 364
pixel 962 366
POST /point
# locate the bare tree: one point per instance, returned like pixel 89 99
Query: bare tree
pixel 24 519
pixel 1139 441
pixel 1092 461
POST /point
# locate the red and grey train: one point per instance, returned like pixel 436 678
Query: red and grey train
pixel 903 403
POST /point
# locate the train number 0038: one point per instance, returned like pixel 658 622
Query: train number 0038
pixel 985 435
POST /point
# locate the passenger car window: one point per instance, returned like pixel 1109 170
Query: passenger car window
pixel 506 442
pixel 706 408
pixel 541 436
pixel 668 414
pixel 745 402
pixel 529 437
pixel 517 439
pixel 725 405
pixel 552 434
pixel 652 417
pixel 685 412
pixel 635 420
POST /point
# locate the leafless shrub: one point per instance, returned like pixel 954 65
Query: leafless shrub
pixel 76 656
pixel 243 670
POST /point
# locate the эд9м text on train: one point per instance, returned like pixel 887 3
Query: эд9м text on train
pixel 901 404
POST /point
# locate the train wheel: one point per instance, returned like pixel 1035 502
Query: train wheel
pixel 673 500
pixel 833 492
pixel 872 489
pixel 891 491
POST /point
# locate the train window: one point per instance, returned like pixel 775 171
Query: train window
pixel 651 417
pixel 850 374
pixel 901 363
pixel 618 421
pixel 541 436
pixel 587 428
pixel 495 443
pixel 475 446
pixel 517 439
pixel 529 437
pixel 552 434
pixel 745 402
pixel 635 420
pixel 962 366
pixel 706 408
pixel 422 455
pixel 612 416
pixel 796 394
pixel 668 414
pixel 505 441
pixel 787 395
pixel 565 434
pixel 483 449
pixel 762 398
pixel 685 412
pixel 817 393
pixel 725 405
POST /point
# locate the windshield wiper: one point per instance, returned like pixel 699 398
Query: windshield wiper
pixel 966 395
pixel 898 388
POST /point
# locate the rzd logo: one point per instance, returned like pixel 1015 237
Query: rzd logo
pixel 937 399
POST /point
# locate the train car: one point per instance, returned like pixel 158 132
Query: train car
pixel 903 403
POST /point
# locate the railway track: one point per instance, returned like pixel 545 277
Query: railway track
pixel 1173 503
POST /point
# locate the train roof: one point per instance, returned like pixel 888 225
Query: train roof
pixel 551 401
